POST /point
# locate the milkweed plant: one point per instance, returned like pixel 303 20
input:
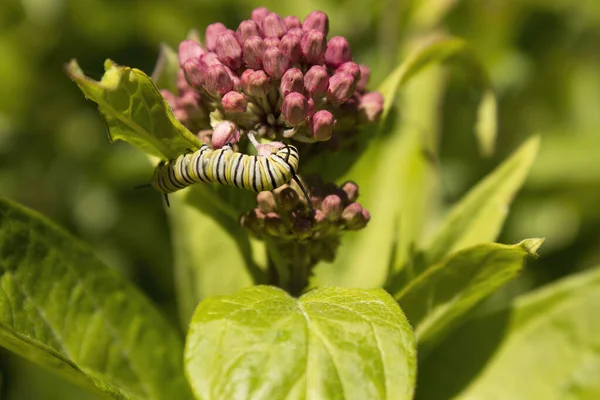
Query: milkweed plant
pixel 309 259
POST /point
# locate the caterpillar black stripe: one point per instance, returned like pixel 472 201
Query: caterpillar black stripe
pixel 224 166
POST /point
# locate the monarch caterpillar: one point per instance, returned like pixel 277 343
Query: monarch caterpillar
pixel 224 166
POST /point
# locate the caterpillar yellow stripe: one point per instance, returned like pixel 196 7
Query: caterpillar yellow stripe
pixel 226 167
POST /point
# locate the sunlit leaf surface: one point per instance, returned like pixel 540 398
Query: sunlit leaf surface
pixel 331 343
pixel 62 308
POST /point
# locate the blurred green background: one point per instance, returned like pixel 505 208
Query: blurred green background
pixel 55 157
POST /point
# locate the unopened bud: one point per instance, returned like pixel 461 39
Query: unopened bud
pixel 313 46
pixel 341 87
pixel 302 227
pixel 193 72
pixel 246 29
pixel 259 14
pixel 254 48
pixel 322 125
pixel 351 190
pixel 254 220
pixel 275 63
pixel 316 81
pixel 234 102
pixel 229 50
pixel 338 52
pixel 182 84
pixel 294 109
pixel 273 26
pixel 188 50
pixel 291 81
pixel 316 20
pixel 353 216
pixel 320 217
pixel 213 31
pixel 274 225
pixel 209 59
pixel 292 22
pixel 351 68
pixel 272 42
pixel 370 107
pixel 226 132
pixel 217 81
pixel 365 73
pixel 332 206
pixel 290 46
pixel 256 83
pixel 288 198
pixel 266 202
pixel 296 32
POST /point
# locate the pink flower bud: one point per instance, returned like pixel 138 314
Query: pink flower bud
pixel 338 52
pixel 366 215
pixel 351 68
pixel 365 73
pixel 189 49
pixel 332 206
pixel 182 84
pixel 209 59
pixel 296 32
pixel 190 102
pixel 229 51
pixel 275 63
pixel 291 81
pixel 341 87
pixel 217 81
pixel 311 107
pixel 254 48
pixel 322 125
pixel 292 22
pixel 226 132
pixel 272 42
pixel 194 73
pixel 266 202
pixel 212 34
pixel 320 217
pixel 234 102
pixel 290 46
pixel 294 109
pixel 256 83
pixel 246 29
pixel 370 107
pixel 316 81
pixel 259 14
pixel 316 20
pixel 353 216
pixel 273 25
pixel 313 46
pixel 351 190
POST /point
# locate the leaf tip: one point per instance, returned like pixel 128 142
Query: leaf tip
pixel 532 245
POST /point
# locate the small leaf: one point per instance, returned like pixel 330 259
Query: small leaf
pixel 437 299
pixel 135 111
pixel 331 343
pixel 479 216
pixel 543 346
pixel 166 69
pixel 62 308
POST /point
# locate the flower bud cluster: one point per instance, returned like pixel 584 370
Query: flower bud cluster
pixel 277 76
pixel 284 215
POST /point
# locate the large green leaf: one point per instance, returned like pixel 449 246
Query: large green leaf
pixel 63 309
pixel 545 345
pixel 135 111
pixel 479 216
pixel 213 254
pixel 331 343
pixel 437 300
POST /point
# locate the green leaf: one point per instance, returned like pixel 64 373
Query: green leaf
pixel 62 308
pixel 135 111
pixel 166 69
pixel 543 346
pixel 437 299
pixel 479 216
pixel 213 254
pixel 331 343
